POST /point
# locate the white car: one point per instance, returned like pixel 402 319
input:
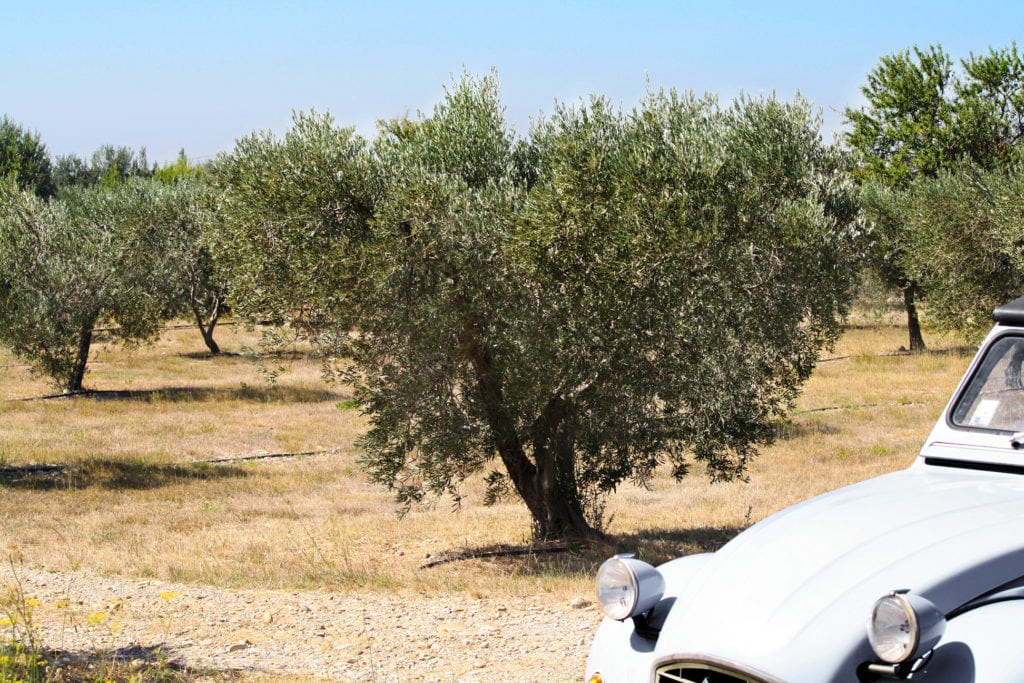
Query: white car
pixel 915 575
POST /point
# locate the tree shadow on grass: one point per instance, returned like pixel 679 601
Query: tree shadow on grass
pixel 654 546
pixel 260 394
pixel 290 356
pixel 209 355
pixel 787 430
pixel 112 474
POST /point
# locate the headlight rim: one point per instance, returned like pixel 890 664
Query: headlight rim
pixel 638 587
pixel 874 637
pixel 925 626
pixel 617 563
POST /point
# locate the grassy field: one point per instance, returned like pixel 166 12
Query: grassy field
pixel 137 491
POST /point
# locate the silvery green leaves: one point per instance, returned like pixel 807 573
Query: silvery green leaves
pixel 90 256
pixel 614 291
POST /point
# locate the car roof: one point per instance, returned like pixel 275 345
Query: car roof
pixel 1011 313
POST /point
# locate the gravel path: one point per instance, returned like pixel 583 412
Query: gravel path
pixel 312 634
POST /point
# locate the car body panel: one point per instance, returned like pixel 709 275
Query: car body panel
pixel 981 646
pixel 789 598
pixel 821 560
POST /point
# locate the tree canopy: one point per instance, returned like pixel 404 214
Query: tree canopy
pixel 109 166
pixel 181 169
pixel 70 263
pixel 196 288
pixel 616 290
pixel 25 159
pixel 965 234
pixel 925 117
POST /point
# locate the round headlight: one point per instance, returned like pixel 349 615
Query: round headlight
pixel 627 587
pixel 903 627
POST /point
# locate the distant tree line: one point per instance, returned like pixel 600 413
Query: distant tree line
pixel 560 311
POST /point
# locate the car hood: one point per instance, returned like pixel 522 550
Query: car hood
pixel 790 596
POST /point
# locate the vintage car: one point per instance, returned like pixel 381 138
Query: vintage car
pixel 915 575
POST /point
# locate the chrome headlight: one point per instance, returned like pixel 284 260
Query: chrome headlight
pixel 903 627
pixel 627 587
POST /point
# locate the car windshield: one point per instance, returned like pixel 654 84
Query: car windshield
pixel 994 397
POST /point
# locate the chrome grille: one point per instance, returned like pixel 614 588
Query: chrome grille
pixel 688 672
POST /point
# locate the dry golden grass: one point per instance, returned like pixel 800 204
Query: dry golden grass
pixel 134 497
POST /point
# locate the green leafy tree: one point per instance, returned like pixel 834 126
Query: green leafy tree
pixel 990 109
pixel 71 170
pixel 906 131
pixel 25 158
pixel 924 117
pixel 617 291
pixel 966 251
pixel 66 266
pixel 181 169
pixel 114 164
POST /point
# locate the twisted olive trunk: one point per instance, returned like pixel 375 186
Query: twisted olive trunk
pixel 913 321
pixel 547 484
pixel 77 376
pixel 206 325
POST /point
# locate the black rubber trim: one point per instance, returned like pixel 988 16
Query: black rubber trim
pixel 1011 313
pixel 980 466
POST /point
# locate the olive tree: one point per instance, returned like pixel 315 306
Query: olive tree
pixel 290 217
pixel 67 265
pixel 566 311
pixel 183 215
pixel 925 117
pixel 201 290
pixel 966 237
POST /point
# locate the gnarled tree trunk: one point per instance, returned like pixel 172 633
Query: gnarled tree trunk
pixel 547 483
pixel 913 321
pixel 77 376
pixel 206 323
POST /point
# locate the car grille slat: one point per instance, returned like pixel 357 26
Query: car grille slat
pixel 687 672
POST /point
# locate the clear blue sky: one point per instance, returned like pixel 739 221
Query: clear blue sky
pixel 198 74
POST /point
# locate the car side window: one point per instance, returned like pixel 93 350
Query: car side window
pixel 994 397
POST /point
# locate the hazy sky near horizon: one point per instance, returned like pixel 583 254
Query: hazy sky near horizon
pixel 198 74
